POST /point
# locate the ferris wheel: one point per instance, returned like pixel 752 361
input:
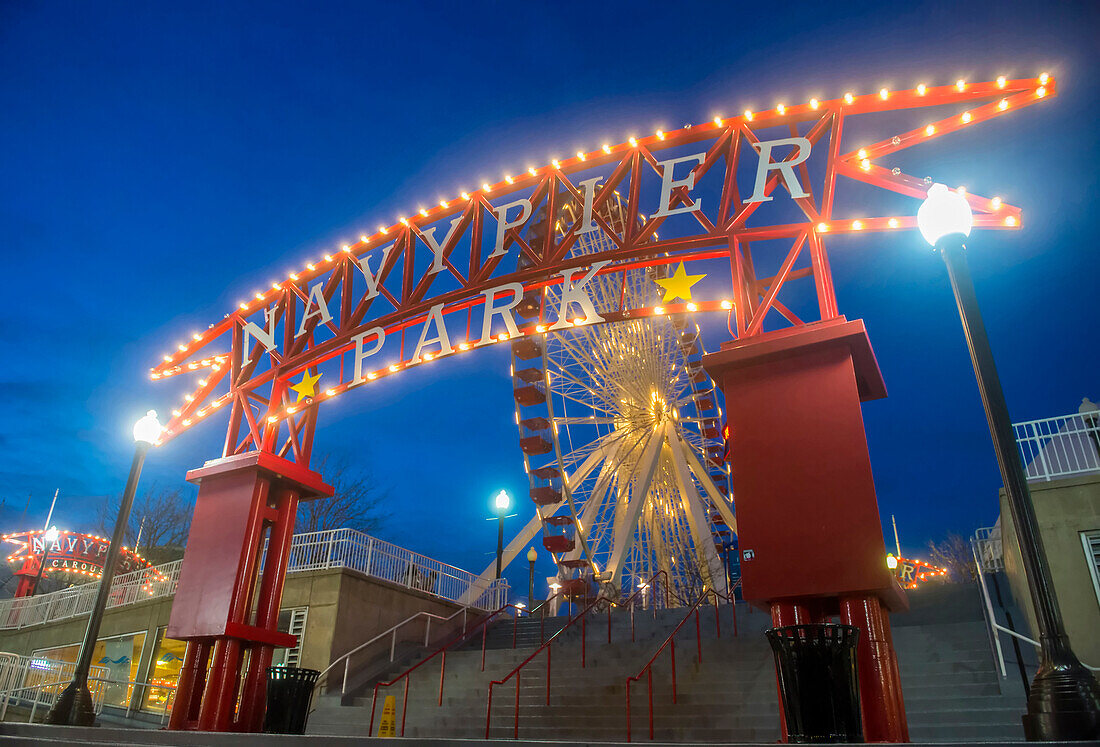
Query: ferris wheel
pixel 620 435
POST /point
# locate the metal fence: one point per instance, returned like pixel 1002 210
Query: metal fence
pixel 35 682
pixel 127 588
pixel 989 549
pixel 338 548
pixel 346 548
pixel 1060 447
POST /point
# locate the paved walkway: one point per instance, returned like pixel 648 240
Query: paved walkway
pixel 37 734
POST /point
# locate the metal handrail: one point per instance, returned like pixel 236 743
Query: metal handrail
pixel 670 642
pixel 640 590
pixel 993 627
pixel 15 669
pixel 144 686
pixel 392 632
pixel 442 650
pixel 583 617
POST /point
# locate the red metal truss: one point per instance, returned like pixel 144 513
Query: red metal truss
pixel 255 384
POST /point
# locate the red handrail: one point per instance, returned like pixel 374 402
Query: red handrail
pixel 670 642
pixel 582 616
pixel 442 650
pixel 630 598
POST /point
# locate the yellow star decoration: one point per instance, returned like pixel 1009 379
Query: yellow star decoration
pixel 307 387
pixel 679 285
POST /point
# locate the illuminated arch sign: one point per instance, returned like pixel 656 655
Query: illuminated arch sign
pixel 73 553
pixel 912 573
pixel 746 203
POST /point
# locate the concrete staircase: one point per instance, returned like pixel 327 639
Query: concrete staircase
pixel 953 691
pixel 729 697
pixel 951 688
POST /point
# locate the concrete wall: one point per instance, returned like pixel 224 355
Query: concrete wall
pixel 1064 509
pixel 369 606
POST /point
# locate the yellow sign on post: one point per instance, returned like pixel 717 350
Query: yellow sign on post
pixel 388 726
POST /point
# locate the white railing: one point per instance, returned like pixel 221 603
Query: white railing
pixel 35 682
pixel 127 588
pixel 1060 447
pixel 346 548
pixel 989 548
pixel 390 637
pixel 338 548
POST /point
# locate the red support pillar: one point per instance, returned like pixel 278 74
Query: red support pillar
pixel 27 573
pixel 227 601
pixel 879 686
pixel 809 529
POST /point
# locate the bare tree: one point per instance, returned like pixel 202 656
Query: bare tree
pixel 162 517
pixel 356 503
pixel 954 554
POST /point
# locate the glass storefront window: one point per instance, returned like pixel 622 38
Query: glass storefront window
pixel 121 655
pixel 168 654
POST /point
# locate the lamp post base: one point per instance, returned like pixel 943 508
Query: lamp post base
pixel 74 707
pixel 1064 705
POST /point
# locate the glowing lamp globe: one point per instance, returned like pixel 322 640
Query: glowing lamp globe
pixel 891 561
pixel 944 213
pixel 503 500
pixel 532 556
pixel 51 535
pixel 148 429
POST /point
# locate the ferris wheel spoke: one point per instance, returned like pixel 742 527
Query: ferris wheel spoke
pixel 589 519
pixel 584 420
pixel 627 518
pixel 581 356
pixel 698 521
pixel 608 477
pixel 720 502
pixel 603 448
pixel 585 388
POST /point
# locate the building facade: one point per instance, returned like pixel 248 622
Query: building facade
pixel 343 588
pixel 1063 467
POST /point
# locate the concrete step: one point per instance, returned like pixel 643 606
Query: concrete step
pixel 994 734
pixel 949 690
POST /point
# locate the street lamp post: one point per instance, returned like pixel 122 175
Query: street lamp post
pixel 1064 703
pixel 532 556
pixel 74 706
pixel 502 503
pixel 48 538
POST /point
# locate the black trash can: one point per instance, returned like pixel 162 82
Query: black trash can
pixel 816 666
pixel 289 692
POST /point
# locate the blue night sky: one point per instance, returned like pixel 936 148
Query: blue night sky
pixel 160 160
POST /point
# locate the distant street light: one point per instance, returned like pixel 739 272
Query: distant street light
pixel 532 556
pixel 502 503
pixel 48 538
pixel 74 706
pixel 1064 703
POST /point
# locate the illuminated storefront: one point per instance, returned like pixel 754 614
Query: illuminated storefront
pixel 120 654
pixel 123 655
